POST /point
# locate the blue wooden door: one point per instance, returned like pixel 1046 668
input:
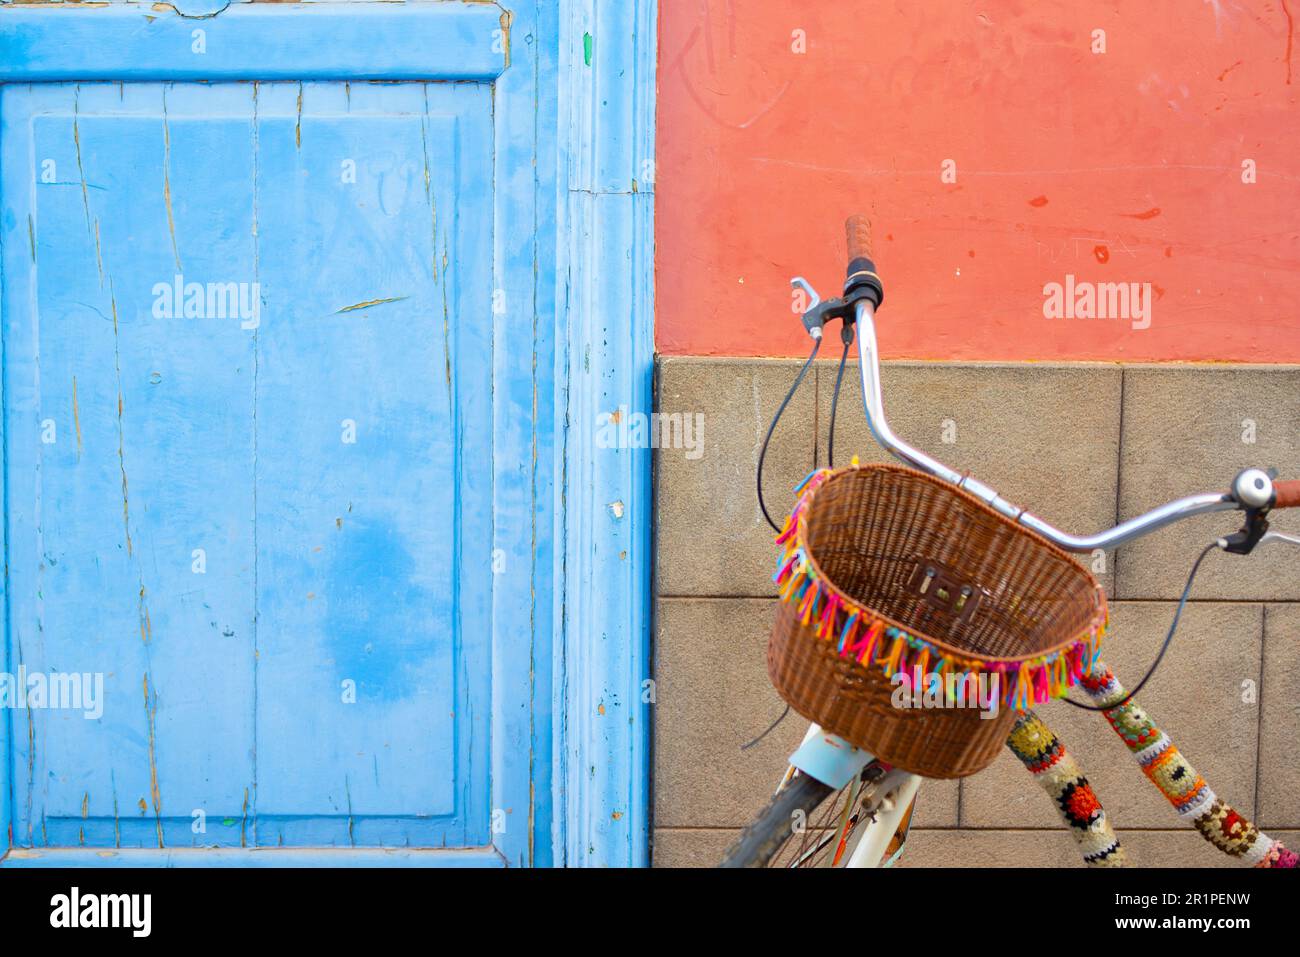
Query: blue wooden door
pixel 260 340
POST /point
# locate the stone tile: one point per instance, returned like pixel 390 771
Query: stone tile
pixel 704 847
pixel 694 847
pixel 1185 848
pixel 1279 737
pixel 972 848
pixel 1046 437
pixel 1026 848
pixel 1183 433
pixel 712 539
pixel 712 695
pixel 937 804
pixel 1195 696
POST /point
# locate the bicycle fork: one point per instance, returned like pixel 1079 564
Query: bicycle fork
pixel 835 762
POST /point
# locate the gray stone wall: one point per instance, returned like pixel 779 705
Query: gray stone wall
pixel 1081 445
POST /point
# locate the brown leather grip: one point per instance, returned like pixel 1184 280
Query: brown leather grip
pixel 857 229
pixel 1288 493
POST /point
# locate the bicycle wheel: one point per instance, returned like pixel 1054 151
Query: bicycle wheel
pixel 808 824
pixel 786 816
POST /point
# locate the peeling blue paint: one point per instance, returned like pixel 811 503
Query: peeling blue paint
pixel 607 300
pixel 330 557
pixel 444 561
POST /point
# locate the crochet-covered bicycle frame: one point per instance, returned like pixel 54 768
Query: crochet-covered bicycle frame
pixel 1166 767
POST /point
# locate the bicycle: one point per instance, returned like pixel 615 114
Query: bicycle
pixel 839 804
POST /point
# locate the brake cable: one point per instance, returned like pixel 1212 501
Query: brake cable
pixel 1182 602
pixel 758 474
pixel 846 334
pixel 814 320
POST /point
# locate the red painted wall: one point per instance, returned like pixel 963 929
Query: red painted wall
pixel 1123 166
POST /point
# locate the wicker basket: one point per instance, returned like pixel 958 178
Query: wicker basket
pixel 889 574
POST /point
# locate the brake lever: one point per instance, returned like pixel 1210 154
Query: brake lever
pixel 820 312
pixel 1243 542
pixel 811 318
pixel 1279 537
pixel 1253 489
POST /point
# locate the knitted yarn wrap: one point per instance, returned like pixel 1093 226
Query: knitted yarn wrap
pixel 1055 769
pixel 1173 775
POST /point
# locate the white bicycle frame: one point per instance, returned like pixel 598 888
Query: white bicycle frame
pixel 835 762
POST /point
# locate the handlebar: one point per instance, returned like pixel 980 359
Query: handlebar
pixel 1253 490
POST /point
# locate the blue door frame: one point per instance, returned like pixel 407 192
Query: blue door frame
pixel 573 116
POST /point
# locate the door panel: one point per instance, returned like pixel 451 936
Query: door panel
pixel 360 558
pixel 258 318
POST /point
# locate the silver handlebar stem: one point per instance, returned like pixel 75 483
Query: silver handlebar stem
pixel 873 403
pixel 869 366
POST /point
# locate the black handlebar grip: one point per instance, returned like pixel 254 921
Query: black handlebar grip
pixel 861 279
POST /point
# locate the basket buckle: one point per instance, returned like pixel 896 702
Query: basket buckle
pixel 944 590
